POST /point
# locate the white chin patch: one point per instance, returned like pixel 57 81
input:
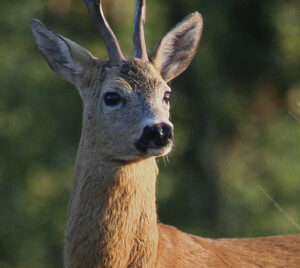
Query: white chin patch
pixel 159 152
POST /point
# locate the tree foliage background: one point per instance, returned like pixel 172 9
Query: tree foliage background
pixel 236 112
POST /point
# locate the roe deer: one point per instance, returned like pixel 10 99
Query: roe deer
pixel 112 219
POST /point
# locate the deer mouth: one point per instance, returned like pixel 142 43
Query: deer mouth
pixel 153 150
pixel 149 147
pixel 159 151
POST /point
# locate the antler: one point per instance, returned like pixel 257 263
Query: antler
pixel 113 48
pixel 138 30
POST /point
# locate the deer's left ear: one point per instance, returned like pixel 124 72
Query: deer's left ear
pixel 177 48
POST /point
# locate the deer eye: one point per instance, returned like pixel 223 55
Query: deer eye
pixel 112 98
pixel 167 97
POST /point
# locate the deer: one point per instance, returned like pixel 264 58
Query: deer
pixel 112 216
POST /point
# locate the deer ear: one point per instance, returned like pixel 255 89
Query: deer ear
pixel 65 57
pixel 177 48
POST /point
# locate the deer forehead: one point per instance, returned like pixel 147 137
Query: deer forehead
pixel 136 76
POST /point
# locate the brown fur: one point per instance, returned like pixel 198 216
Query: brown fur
pixel 178 249
pixel 111 222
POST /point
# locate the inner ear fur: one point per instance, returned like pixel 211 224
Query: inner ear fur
pixel 175 51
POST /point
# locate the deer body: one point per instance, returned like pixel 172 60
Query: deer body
pixel 129 235
pixel 112 219
pixel 112 222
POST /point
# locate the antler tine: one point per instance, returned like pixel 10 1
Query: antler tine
pixel 138 30
pixel 113 48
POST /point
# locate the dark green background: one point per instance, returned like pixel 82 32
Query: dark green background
pixel 235 111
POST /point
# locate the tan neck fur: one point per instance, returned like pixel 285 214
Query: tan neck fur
pixel 112 220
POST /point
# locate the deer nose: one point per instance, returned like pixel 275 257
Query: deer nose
pixel 155 136
pixel 159 134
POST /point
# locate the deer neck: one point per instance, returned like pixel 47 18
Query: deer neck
pixel 112 220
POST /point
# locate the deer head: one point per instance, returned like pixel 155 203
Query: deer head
pixel 126 101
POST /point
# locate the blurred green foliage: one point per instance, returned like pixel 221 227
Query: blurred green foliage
pixel 236 112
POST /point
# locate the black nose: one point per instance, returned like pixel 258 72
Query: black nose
pixel 155 136
pixel 159 134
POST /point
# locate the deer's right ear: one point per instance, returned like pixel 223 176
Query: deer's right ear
pixel 65 57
